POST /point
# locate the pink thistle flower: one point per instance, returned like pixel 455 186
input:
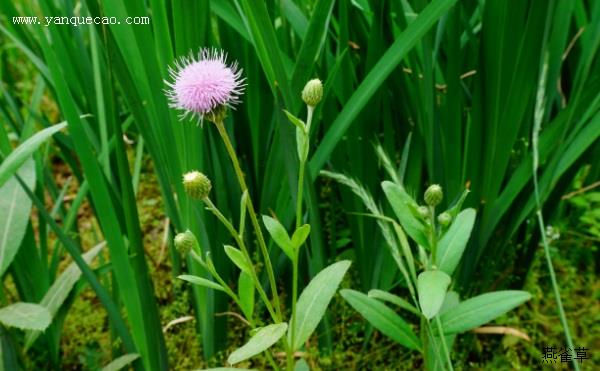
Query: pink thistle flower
pixel 202 84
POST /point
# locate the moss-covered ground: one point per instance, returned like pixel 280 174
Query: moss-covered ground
pixel 86 342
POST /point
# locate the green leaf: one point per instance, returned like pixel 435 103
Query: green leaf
pixel 376 77
pixel 302 144
pixel 314 300
pixel 452 245
pixel 200 281
pixel 60 289
pixel 400 200
pixel 227 369
pixel 246 293
pixel 243 208
pixel 261 341
pixel 453 211
pixel 8 354
pixel 279 235
pixel 121 362
pixel 296 121
pixel 26 316
pixel 481 309
pixel 313 43
pixel 450 301
pixel 237 257
pixel 382 318
pixel 15 207
pixel 394 299
pixel 17 157
pixel 300 235
pixel 432 286
pixel 301 365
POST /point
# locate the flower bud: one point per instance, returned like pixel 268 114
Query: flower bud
pixel 312 92
pixel 423 212
pixel 185 242
pixel 196 185
pixel 444 219
pixel 434 195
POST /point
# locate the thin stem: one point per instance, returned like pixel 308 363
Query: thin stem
pixel 301 168
pixel 252 213
pixel 289 356
pixel 299 195
pixel 443 339
pixel 431 336
pixel 240 242
pixel 290 351
pixel 299 201
pixel 272 361
pixel 433 237
pixel 537 124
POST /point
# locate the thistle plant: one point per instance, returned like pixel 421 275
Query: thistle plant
pixel 440 240
pixel 206 88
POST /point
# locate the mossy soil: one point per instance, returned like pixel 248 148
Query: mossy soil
pixel 86 341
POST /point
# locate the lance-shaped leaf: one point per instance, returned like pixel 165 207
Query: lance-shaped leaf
pixel 16 158
pixel 279 235
pixel 246 293
pixel 237 257
pixel 121 362
pixel 400 201
pixel 314 300
pixel 262 340
pixel 481 309
pixel 382 318
pixel 452 245
pixel 201 281
pixel 432 286
pixel 15 207
pixel 26 316
pixel 300 235
pixel 60 289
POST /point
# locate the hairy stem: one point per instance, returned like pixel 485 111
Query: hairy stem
pixel 240 242
pixel 253 218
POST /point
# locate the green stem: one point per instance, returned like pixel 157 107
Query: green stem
pixel 252 213
pixel 272 361
pixel 443 339
pixel 299 200
pixel 537 125
pixel 433 236
pixel 290 352
pixel 431 336
pixel 240 242
pixel 289 355
pixel 299 196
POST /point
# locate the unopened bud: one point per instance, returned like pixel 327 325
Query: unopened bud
pixel 312 92
pixel 444 219
pixel 434 195
pixel 423 212
pixel 185 242
pixel 196 185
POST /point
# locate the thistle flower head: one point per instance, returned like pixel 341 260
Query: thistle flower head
pixel 196 185
pixel 203 84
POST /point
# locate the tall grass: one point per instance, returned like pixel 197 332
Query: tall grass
pixel 459 78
